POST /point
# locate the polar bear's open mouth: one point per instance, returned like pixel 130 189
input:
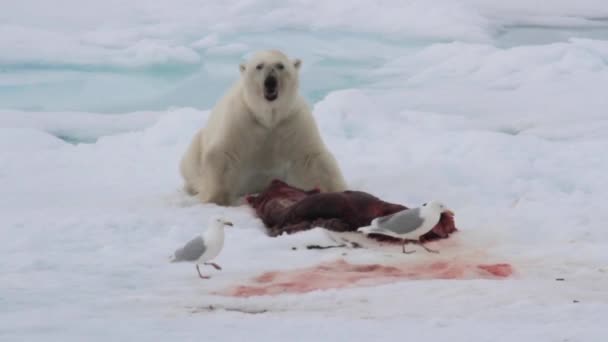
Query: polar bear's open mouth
pixel 271 88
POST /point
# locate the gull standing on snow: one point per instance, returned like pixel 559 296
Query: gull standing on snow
pixel 408 224
pixel 204 247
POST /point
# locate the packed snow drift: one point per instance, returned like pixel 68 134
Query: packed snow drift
pixel 499 109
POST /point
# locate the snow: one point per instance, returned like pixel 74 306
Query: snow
pixel 496 108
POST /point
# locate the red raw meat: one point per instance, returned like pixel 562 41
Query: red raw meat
pixel 284 208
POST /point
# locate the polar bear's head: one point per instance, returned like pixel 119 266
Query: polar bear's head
pixel 270 80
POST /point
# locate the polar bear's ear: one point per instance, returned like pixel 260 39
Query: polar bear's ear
pixel 242 67
pixel 297 63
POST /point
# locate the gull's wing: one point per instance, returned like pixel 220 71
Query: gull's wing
pixel 191 250
pixel 401 222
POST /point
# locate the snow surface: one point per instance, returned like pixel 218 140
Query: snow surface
pixel 497 108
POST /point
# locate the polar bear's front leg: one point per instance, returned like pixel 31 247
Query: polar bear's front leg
pixel 214 195
pixel 219 178
pixel 190 165
pixel 317 170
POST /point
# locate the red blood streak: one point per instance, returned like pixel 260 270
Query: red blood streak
pixel 341 274
pixel 499 270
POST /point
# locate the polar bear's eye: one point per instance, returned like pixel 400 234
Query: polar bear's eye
pixel 259 66
pixel 280 66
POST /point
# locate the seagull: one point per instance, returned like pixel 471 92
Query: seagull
pixel 409 224
pixel 204 247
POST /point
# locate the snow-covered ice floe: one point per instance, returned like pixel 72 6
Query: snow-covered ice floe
pixel 498 109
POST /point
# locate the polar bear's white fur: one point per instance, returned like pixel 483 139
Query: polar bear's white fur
pixel 260 130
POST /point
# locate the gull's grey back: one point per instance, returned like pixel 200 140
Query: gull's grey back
pixel 401 222
pixel 191 251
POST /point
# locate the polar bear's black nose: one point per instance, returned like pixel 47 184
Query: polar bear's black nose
pixel 270 83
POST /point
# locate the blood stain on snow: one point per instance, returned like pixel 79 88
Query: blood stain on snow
pixel 342 274
pixel 266 277
pixel 499 270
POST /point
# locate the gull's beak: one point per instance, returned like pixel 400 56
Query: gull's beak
pixel 228 223
pixel 449 212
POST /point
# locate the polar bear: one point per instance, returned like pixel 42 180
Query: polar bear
pixel 261 129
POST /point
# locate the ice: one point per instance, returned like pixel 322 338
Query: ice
pixel 154 54
pixel 496 108
pixel 76 126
